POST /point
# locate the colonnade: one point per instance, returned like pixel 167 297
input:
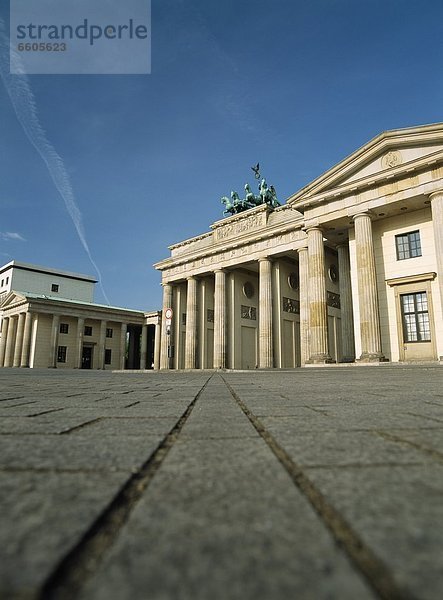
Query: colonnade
pixel 313 302
pixel 15 342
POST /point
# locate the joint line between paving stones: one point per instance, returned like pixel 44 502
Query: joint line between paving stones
pixel 69 576
pixel 390 437
pixel 364 560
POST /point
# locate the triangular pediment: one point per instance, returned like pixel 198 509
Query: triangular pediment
pixel 390 154
pixel 11 299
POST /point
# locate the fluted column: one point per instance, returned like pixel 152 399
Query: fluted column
pixel 318 316
pixel 347 316
pixel 157 345
pixel 191 324
pixel 24 359
pixel 367 290
pixel 19 340
pixel 4 338
pixel 220 320
pixel 79 343
pixel 53 344
pixel 10 341
pixel 165 361
pixel 144 348
pixel 266 350
pixel 303 274
pixel 123 332
pixel 437 223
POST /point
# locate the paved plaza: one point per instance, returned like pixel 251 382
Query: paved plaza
pixel 313 483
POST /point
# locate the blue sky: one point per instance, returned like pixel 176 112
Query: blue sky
pixel 295 85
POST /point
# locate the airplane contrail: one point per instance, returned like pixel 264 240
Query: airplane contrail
pixel 23 102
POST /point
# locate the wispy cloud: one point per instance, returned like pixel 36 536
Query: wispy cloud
pixel 8 236
pixel 23 102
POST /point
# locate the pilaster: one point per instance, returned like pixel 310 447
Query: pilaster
pixel 123 332
pixel 54 339
pixel 347 316
pixel 303 274
pixel 437 223
pixel 24 359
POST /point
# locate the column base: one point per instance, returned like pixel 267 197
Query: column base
pixel 366 357
pixel 320 359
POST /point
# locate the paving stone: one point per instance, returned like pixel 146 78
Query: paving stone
pixel 398 511
pixel 41 516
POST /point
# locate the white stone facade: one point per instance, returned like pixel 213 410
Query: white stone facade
pixel 50 320
pixel 349 269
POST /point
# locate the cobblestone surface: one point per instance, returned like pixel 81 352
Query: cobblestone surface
pixel 314 483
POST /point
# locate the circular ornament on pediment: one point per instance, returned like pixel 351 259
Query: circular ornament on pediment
pixel 333 273
pixel 248 289
pixel 293 281
pixel 392 159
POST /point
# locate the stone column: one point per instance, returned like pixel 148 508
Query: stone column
pixel 303 273
pixel 24 359
pixel 123 332
pixel 437 223
pixel 266 354
pixel 220 320
pixel 19 340
pixel 144 348
pixel 54 340
pixel 367 290
pixel 4 338
pixel 318 315
pixel 10 341
pixel 347 316
pixel 79 349
pixel 165 361
pixel 101 345
pixel 191 324
pixel 157 345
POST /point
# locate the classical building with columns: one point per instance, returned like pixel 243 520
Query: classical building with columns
pixel 349 269
pixel 49 320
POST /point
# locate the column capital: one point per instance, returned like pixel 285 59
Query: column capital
pixel 312 227
pixel 435 194
pixel 219 271
pixel 362 213
pixel 264 258
pixel 302 249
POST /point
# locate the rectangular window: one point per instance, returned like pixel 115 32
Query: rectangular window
pixel 61 354
pixel 415 317
pixel 108 356
pixel 54 287
pixel 408 245
pixel 88 330
pixel 108 332
pixel 64 328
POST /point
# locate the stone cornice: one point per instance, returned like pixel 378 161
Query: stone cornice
pixel 236 232
pixel 411 279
